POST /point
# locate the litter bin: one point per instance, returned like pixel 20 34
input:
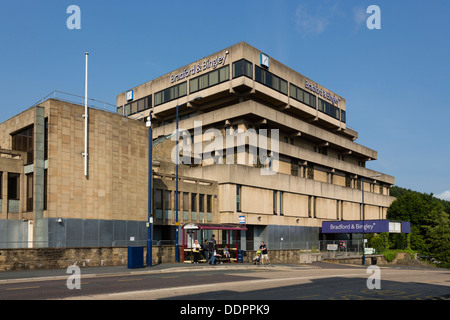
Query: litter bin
pixel 135 257
pixel 240 257
pixel 374 260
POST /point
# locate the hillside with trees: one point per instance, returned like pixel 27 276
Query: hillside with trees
pixel 430 223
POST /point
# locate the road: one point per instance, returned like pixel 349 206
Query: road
pixel 238 283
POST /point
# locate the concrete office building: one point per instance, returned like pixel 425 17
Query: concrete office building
pixel 312 171
pixel 49 199
pixel 318 168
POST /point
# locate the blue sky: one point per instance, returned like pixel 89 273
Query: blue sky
pixel 395 80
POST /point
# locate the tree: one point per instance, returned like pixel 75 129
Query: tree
pixel 430 222
pixel 437 233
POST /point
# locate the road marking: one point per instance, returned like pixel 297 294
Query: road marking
pixel 128 280
pixel 23 288
pixel 163 289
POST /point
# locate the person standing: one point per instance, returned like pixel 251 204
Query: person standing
pixel 196 251
pixel 264 253
pixel 205 248
pixel 212 249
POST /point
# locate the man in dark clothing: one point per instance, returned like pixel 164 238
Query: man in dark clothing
pixel 205 250
pixel 264 254
pixel 212 246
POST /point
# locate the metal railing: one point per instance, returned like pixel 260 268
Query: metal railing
pixel 76 99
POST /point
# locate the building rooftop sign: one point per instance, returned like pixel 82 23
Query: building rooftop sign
pixel 199 67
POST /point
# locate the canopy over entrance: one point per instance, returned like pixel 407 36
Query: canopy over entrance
pixel 370 226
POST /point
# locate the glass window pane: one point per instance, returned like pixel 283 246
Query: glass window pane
pixel 158 97
pixel 158 199
pixel 193 85
pixel 213 78
pixel 248 69
pixel 203 82
pixel 224 74
pixel 182 89
pixel 238 68
pixel 283 86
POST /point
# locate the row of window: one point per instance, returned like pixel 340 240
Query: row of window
pixel 163 201
pixel 13 189
pixel 209 79
pixel 277 203
pixel 270 80
pixel 302 96
pixel 239 68
pixel 329 109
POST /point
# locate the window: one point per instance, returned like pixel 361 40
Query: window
pixel 271 80
pixel 46 139
pixel 167 202
pixel 201 202
pixel 281 203
pixel 193 202
pixel 209 203
pixel 13 186
pixel 45 188
pixel 329 109
pixel 23 141
pixel 172 93
pixel 210 79
pixel 1 187
pixel 238 198
pixel 158 199
pixel 310 171
pixel 243 68
pixel 185 201
pixel 310 206
pixel 29 192
pixel 274 194
pixel 302 96
pixel 343 118
pixel 348 181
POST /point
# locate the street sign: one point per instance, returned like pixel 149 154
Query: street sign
pixel 241 219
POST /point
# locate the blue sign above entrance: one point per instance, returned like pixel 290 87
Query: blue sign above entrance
pixel 370 226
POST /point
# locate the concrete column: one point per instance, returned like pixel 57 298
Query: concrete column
pixel 41 225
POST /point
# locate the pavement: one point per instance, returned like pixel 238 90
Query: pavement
pixel 53 274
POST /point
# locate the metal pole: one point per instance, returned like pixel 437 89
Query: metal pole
pixel 363 245
pixel 150 177
pixel 86 121
pixel 177 258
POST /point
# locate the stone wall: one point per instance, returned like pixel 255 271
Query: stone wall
pixel 61 258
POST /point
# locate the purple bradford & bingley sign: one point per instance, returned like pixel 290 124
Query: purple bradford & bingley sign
pixel 370 226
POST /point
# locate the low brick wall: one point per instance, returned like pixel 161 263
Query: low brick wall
pixel 61 258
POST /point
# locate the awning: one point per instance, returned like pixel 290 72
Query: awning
pixel 370 226
pixel 207 226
